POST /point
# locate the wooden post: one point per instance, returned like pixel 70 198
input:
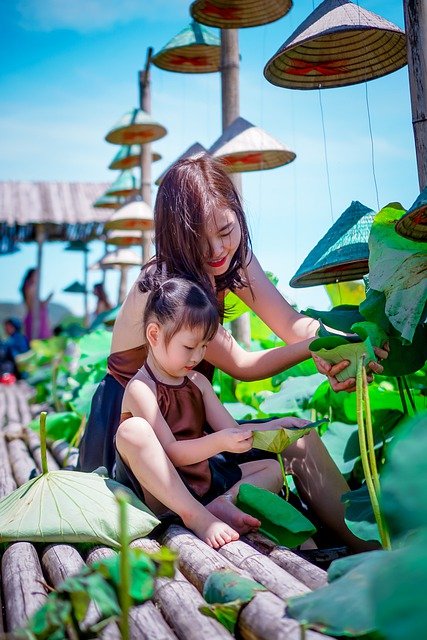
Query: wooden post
pixel 85 268
pixel 230 63
pixel 145 104
pixel 35 325
pixel 123 283
pixel 416 38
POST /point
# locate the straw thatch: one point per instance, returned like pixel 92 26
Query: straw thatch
pixel 135 215
pixel 129 156
pixel 64 208
pixel 339 44
pixel 124 238
pixel 245 147
pixel 136 127
pixel 413 224
pixel 194 150
pixel 342 254
pixel 234 14
pixel 194 50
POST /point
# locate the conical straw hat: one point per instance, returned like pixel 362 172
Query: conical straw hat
pixel 120 258
pixel 135 215
pixel 339 44
pixel 245 147
pixel 234 14
pixel 194 50
pixel 194 150
pixel 75 287
pixel 125 185
pixel 413 224
pixel 124 238
pixel 136 127
pixel 129 156
pixel 107 202
pixel 342 254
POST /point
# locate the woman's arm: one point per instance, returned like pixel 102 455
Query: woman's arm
pixel 141 401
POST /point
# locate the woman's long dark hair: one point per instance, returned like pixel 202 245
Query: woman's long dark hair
pixel 191 191
pixel 24 282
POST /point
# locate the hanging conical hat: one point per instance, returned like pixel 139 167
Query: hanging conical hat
pixel 342 254
pixel 194 150
pixel 120 258
pixel 124 185
pixel 108 202
pixel 129 156
pixel 124 238
pixel 234 14
pixel 194 50
pixel 245 147
pixel 77 245
pixel 136 215
pixel 136 127
pixel 339 44
pixel 413 224
pixel 75 287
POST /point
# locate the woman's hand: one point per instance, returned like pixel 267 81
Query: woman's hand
pixel 349 385
pixel 236 440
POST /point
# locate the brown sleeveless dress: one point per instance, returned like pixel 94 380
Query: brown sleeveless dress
pixel 183 409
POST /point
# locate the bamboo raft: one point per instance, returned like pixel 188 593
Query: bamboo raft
pixel 29 571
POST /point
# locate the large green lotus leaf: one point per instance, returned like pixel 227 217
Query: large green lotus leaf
pixel 345 607
pixel 62 425
pixel 359 515
pixel 70 506
pixel 246 391
pixel 240 411
pixel 373 309
pixel 405 359
pixel 345 293
pixel 340 318
pixel 306 368
pixel 280 521
pixel 397 267
pixel 334 349
pixel 277 440
pixel 95 347
pixel 341 440
pixel 404 489
pixel 293 397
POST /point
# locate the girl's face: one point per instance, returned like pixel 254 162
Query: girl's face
pixel 223 237
pixel 183 352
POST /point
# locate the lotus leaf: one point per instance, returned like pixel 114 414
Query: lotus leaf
pixel 95 347
pixel 70 506
pixel 293 397
pixel 342 443
pixel 397 267
pixel 240 411
pixel 277 440
pixel 341 317
pixel 59 425
pixel 280 521
pixel 359 515
pixel 334 349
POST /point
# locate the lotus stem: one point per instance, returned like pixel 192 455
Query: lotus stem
pixel 55 399
pixel 124 594
pixel 409 394
pixel 285 480
pixel 43 452
pixel 402 395
pixel 364 453
pixel 369 433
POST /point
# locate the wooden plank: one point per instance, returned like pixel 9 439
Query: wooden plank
pixel 23 584
pixel 23 466
pixel 7 482
pixel 64 455
pixel 33 441
pixel 307 573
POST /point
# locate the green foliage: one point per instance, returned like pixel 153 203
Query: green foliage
pixel 95 347
pixel 359 516
pixel 280 521
pixel 59 425
pixel 277 440
pixel 293 398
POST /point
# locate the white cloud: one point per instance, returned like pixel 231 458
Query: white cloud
pixel 91 15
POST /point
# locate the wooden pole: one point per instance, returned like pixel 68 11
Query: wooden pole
pixel 145 104
pixel 230 64
pixel 85 269
pixel 123 283
pixel 36 305
pixel 416 38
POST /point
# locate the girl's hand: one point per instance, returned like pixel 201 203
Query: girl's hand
pixel 236 440
pixel 278 423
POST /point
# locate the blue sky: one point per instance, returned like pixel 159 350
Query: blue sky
pixel 69 72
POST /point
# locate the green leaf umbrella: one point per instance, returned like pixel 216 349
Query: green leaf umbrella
pixel 234 14
pixel 125 185
pixel 129 156
pixel 413 223
pixel 342 254
pixel 194 50
pixel 136 127
pixel 339 44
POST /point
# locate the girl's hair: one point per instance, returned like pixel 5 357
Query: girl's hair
pixel 183 304
pixel 191 191
pixel 99 291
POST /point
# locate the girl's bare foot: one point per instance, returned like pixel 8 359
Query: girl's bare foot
pixel 225 510
pixel 210 529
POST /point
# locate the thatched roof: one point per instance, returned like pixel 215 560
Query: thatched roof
pixel 65 208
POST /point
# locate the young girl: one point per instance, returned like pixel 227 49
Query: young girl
pixel 201 233
pixel 167 404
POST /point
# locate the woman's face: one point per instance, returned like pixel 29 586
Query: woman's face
pixel 222 239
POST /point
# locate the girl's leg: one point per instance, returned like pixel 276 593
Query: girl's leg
pixel 142 452
pixel 321 485
pixel 265 474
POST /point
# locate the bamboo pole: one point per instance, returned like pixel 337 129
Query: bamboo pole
pixel 36 303
pixel 145 104
pixel 416 37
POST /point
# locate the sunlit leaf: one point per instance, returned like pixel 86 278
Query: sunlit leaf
pixel 63 425
pixel 294 395
pixel 277 440
pixel 359 515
